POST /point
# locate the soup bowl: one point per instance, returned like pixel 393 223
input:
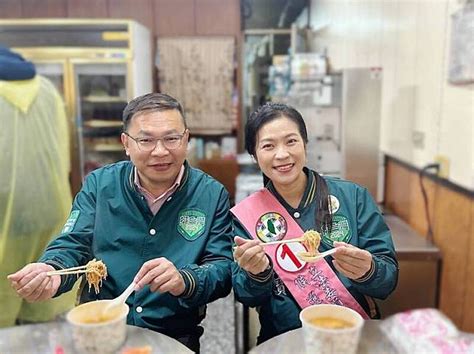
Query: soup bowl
pixel 95 332
pixel 329 329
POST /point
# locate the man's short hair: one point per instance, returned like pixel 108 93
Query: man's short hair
pixel 151 102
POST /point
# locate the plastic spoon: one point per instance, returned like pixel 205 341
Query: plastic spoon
pixel 317 257
pixel 120 299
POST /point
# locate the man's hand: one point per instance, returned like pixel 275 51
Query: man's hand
pixel 351 261
pixel 161 275
pixel 250 256
pixel 32 284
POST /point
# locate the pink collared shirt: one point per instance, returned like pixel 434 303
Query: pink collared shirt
pixel 156 203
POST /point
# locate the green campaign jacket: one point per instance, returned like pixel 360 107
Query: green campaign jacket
pixel 111 221
pixel 357 221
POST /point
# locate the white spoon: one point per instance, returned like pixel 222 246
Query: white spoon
pixel 317 257
pixel 119 300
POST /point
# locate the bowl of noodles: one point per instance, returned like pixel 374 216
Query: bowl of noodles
pixel 95 331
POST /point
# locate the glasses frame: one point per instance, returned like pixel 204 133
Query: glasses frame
pixel 137 141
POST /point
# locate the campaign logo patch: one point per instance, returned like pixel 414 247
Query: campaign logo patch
pixel 191 223
pixel 341 231
pixel 271 227
pixel 71 221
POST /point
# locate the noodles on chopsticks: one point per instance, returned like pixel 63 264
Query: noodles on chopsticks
pixel 94 270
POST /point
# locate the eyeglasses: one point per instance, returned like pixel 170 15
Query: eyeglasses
pixel 170 142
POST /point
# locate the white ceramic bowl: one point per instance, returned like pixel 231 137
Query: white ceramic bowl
pixel 330 341
pixel 93 337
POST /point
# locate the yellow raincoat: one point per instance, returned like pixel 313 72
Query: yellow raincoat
pixel 35 196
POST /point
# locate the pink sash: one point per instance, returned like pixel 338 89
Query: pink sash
pixel 313 283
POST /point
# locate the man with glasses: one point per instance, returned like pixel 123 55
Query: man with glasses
pixel 153 220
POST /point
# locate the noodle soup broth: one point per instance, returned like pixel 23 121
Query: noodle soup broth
pixel 330 322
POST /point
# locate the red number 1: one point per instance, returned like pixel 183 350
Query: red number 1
pixel 288 252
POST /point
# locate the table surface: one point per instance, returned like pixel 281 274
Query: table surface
pixel 52 336
pixel 372 340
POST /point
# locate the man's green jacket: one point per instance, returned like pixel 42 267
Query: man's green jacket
pixel 111 221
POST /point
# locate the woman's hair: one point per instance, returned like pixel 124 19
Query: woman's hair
pixel 268 113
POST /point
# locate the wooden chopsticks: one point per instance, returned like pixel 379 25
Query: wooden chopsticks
pixel 67 271
pixel 296 239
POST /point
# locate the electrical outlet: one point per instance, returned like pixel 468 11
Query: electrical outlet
pixel 418 139
pixel 443 165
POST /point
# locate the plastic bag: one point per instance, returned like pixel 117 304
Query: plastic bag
pixel 35 196
pixel 426 331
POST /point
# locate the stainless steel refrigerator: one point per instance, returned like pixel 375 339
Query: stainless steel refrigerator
pixel 343 120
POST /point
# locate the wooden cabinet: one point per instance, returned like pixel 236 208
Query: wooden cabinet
pixel 217 17
pixel 197 17
pixel 138 10
pixel 44 8
pixel 223 170
pixel 162 17
pixel 174 17
pixel 87 9
pixel 10 9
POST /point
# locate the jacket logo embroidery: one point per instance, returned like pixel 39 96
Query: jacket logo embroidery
pixel 341 231
pixel 71 221
pixel 191 223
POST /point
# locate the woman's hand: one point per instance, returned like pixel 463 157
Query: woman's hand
pixel 250 256
pixel 351 261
